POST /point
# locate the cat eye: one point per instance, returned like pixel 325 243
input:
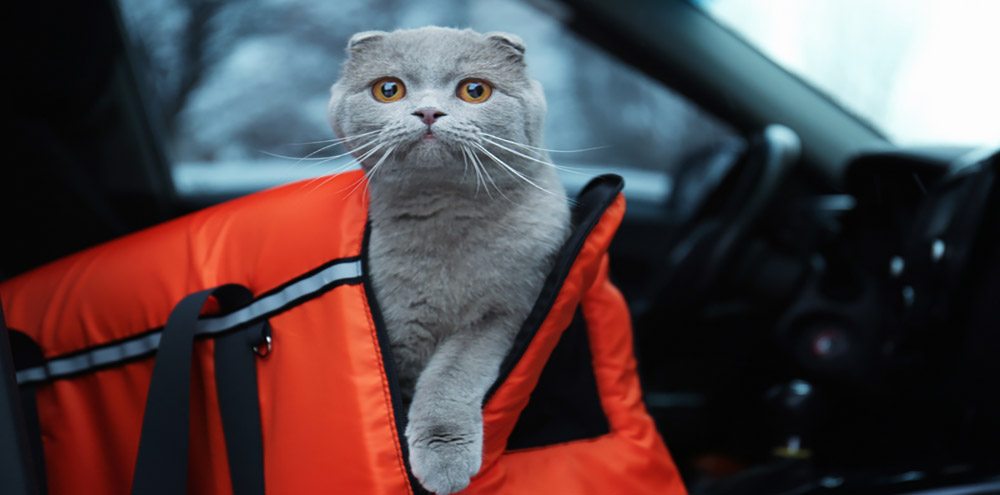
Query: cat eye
pixel 474 90
pixel 388 90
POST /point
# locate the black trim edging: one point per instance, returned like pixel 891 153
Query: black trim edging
pixel 388 364
pixel 594 199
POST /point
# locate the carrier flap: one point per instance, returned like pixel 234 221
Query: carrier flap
pixel 126 287
pixel 598 213
pixel 618 450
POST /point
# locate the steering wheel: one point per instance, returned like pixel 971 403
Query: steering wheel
pixel 697 255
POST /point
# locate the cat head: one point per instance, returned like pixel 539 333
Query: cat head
pixel 431 95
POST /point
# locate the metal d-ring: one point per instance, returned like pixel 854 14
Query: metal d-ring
pixel 266 349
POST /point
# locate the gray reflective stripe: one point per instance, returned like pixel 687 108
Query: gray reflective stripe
pixel 91 359
pixel 145 344
pixel 278 300
pixel 31 375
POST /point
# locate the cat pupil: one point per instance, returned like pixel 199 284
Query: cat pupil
pixel 389 89
pixel 475 90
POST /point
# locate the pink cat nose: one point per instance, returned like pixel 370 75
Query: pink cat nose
pixel 428 115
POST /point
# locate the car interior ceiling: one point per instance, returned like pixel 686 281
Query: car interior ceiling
pixel 770 311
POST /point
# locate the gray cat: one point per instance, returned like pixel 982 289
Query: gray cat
pixel 466 216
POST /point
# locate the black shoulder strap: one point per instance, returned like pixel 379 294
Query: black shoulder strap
pixel 18 475
pixel 162 463
pixel 236 386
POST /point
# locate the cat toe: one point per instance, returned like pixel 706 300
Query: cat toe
pixel 446 467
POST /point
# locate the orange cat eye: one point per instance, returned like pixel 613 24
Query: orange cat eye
pixel 388 90
pixel 474 90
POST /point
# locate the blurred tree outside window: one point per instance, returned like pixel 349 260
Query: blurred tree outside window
pixel 235 83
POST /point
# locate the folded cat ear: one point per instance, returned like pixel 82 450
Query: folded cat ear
pixel 509 41
pixel 363 38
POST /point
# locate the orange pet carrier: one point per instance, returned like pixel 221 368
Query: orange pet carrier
pixel 239 349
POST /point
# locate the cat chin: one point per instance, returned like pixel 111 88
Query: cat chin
pixel 429 152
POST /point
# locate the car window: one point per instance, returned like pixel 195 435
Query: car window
pixel 924 73
pixel 239 89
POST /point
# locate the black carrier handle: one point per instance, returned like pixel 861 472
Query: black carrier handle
pixel 162 463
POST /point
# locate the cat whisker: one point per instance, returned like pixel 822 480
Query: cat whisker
pixel 349 152
pixel 468 156
pixel 287 157
pixel 513 171
pixel 322 179
pixel 378 164
pixel 465 161
pixel 339 168
pixel 490 178
pixel 358 160
pixel 366 178
pixel 486 177
pixel 371 172
pixel 333 142
pixel 522 155
pixel 535 148
pixel 476 165
pixel 324 148
pixel 337 140
pixel 321 159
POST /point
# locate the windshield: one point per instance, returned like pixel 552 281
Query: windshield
pixel 922 72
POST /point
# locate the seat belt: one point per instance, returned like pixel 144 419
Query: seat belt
pixel 162 463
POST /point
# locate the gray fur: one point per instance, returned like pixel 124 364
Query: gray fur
pixel 455 265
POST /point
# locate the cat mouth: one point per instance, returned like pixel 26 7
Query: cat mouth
pixel 428 135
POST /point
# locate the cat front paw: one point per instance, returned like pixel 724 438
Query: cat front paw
pixel 444 460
